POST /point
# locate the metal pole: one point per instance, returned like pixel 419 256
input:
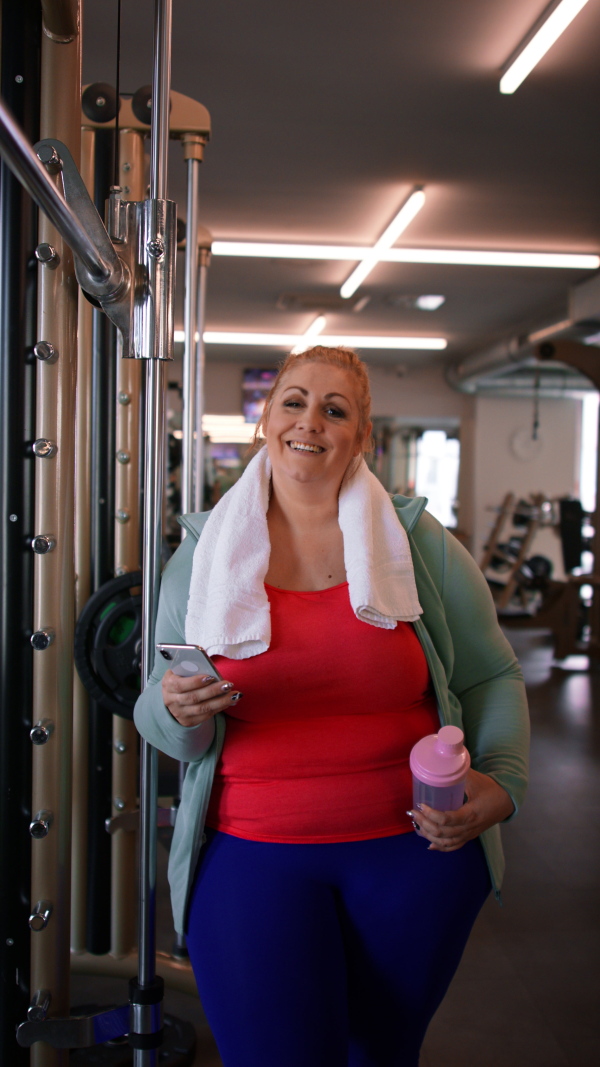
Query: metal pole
pixel 190 392
pixel 83 420
pixel 161 89
pixel 127 558
pixel 153 495
pixel 198 500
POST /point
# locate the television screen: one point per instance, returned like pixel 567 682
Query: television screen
pixel 255 388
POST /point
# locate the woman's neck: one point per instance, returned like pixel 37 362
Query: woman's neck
pixel 302 506
pixel 307 547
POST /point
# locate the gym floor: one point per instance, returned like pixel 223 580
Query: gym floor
pixel 528 988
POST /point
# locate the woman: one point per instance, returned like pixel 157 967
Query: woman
pixel 322 929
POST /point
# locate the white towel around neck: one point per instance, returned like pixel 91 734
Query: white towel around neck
pixel 228 609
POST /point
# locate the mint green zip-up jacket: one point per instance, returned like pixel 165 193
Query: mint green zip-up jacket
pixel 476 677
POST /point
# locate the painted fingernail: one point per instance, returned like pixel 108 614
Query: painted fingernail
pixel 235 697
pixel 207 679
pixel 225 688
pixel 410 814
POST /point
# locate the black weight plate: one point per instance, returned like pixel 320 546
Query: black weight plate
pixel 107 643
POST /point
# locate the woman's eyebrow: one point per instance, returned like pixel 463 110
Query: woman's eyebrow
pixel 305 392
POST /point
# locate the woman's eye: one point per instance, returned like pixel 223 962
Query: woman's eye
pixel 335 412
pixel 291 403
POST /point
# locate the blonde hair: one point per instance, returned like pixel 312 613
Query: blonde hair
pixel 344 358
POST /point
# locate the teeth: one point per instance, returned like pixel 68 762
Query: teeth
pixel 298 446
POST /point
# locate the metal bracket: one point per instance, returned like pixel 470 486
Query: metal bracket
pixel 130 820
pixel 116 293
pixel 78 1031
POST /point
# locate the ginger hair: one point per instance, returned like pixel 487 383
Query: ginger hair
pixel 344 358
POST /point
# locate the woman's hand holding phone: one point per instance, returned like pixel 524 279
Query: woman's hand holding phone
pixel 190 693
pixel 196 699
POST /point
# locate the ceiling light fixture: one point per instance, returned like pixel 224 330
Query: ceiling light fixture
pixel 462 257
pixel 430 301
pixel 286 340
pixel 399 223
pixel 533 48
pixel 313 331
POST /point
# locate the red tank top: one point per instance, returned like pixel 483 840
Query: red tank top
pixel 317 749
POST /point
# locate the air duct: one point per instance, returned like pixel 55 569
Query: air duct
pixel 512 368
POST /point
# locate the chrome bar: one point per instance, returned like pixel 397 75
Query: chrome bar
pixel 190 420
pixel 128 462
pixel 83 588
pixel 154 461
pixel 24 163
pixel 198 498
pixel 158 342
pixel 161 91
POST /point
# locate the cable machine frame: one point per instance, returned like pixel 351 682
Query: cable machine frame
pixel 108 271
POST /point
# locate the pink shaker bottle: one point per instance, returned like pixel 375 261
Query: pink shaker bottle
pixel 439 765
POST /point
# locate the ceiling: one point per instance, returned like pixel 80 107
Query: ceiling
pixel 326 113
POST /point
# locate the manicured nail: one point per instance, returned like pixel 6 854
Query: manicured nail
pixel 226 687
pixel 208 678
pixel 235 697
pixel 410 814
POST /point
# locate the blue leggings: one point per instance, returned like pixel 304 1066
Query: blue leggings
pixel 329 955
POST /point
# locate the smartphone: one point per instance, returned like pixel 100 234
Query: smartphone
pixel 188 660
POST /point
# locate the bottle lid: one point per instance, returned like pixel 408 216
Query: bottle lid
pixel 440 759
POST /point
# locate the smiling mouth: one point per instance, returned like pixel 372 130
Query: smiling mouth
pixel 300 446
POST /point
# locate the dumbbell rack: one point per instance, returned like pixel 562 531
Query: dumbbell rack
pixel 505 584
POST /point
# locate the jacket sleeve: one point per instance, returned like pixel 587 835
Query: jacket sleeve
pixel 152 719
pixel 486 677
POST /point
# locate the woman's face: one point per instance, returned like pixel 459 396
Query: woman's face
pixel 312 429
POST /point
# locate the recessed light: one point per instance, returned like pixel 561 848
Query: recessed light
pixel 430 301
pixel 424 302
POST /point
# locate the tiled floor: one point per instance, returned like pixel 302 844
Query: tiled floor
pixel 527 993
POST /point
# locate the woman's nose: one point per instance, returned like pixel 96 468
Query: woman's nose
pixel 310 419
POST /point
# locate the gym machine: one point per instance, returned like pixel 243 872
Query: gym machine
pixel 126 269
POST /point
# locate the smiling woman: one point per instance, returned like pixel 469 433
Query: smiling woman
pixel 321 928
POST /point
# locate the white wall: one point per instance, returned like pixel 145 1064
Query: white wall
pixel 417 392
pixel 223 388
pixel 497 468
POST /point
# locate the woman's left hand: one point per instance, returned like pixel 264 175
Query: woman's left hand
pixel 487 804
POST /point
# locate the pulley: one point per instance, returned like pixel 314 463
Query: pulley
pixel 108 639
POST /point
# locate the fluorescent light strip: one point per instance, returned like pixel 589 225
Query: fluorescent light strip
pixel 313 331
pixel 288 340
pixel 232 429
pixel 452 257
pixel 397 226
pixel 227 429
pixel 540 43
